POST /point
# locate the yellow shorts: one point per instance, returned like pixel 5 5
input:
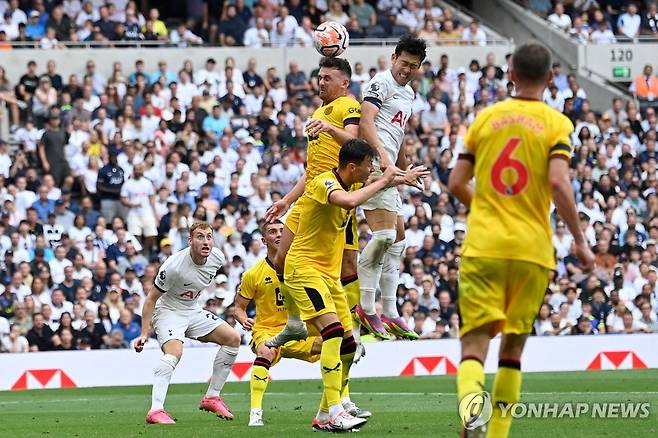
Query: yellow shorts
pixel 316 294
pixel 302 350
pixel 351 231
pixel 505 292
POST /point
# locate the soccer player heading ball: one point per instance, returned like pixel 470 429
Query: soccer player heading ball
pixel 519 152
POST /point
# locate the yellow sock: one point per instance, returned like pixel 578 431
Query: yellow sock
pixel 291 307
pixel 330 363
pixel 260 373
pixel 470 377
pixel 506 390
pixel 347 349
pixel 323 403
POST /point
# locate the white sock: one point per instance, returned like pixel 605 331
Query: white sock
pixel 335 410
pixel 345 400
pixel 322 416
pixel 390 278
pixel 356 331
pixel 222 366
pixel 162 377
pixel 370 267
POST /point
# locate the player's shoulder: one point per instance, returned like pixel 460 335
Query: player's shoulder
pixel 558 119
pixel 217 255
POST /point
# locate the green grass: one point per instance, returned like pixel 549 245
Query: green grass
pixel 402 407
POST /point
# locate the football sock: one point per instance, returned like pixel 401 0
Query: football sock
pixel 352 285
pixel 388 282
pixel 347 350
pixel 331 365
pixel 506 390
pixel 260 373
pixel 323 412
pixel 221 368
pixel 162 377
pixel 470 377
pixel 370 267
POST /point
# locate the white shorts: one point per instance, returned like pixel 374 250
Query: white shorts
pixel 170 324
pixel 386 199
pixel 142 226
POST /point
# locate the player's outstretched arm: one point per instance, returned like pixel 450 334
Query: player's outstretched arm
pixel 280 207
pixel 147 315
pixel 350 200
pixel 459 182
pixel 241 304
pixel 558 172
pixel 368 132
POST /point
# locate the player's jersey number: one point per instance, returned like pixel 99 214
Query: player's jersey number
pixel 504 162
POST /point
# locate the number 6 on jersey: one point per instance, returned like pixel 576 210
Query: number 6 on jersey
pixel 506 161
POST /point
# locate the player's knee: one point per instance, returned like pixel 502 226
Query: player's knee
pixel 376 249
pixel 233 340
pixel 349 266
pixel 174 348
pixel 266 352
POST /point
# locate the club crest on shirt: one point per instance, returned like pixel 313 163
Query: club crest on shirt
pixel 374 88
pixel 328 110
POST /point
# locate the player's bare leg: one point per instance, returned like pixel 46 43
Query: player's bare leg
pixel 295 330
pixel 173 351
pixel 470 375
pixel 383 225
pixel 229 341
pixel 388 284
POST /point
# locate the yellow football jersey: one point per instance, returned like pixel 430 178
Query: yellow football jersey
pixel 320 236
pixel 323 149
pixel 260 284
pixel 512 143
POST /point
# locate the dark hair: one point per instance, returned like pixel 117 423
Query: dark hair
pixel 412 45
pixel 354 151
pixel 340 64
pixel 532 62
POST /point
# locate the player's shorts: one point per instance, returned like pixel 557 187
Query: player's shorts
pixel 142 225
pixel 316 294
pixel 505 292
pixel 301 350
pixel 386 199
pixel 170 324
pixel 351 231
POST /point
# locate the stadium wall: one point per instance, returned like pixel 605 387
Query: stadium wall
pixel 384 359
pixel 73 61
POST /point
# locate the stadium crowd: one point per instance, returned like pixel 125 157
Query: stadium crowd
pixel 105 176
pixel 50 25
pixel 600 21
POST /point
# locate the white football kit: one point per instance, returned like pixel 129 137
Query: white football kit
pixel 178 313
pixel 395 107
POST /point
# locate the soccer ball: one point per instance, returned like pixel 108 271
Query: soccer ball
pixel 331 39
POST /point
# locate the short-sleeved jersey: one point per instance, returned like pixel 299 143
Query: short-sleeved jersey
pixel 323 149
pixel 182 281
pixel 395 107
pixel 261 284
pixel 512 143
pixel 320 236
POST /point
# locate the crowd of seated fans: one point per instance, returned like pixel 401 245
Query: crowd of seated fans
pixel 53 25
pixel 600 21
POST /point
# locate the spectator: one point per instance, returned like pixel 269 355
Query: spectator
pixel 158 26
pixel 645 86
pixel 138 197
pixel 649 24
pixel 257 36
pixel 127 326
pixel 231 29
pixel 603 35
pixel 116 341
pixel 473 35
pixel 14 341
pixel 364 13
pixel 449 35
pixel 41 337
pixel 559 19
pixel 629 22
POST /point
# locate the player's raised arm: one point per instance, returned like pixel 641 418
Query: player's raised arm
pixel 147 315
pixel 566 207
pixel 367 128
pixel 280 207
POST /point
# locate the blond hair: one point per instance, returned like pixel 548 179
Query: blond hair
pixel 199 226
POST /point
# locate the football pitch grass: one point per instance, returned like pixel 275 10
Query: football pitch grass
pixel 401 406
